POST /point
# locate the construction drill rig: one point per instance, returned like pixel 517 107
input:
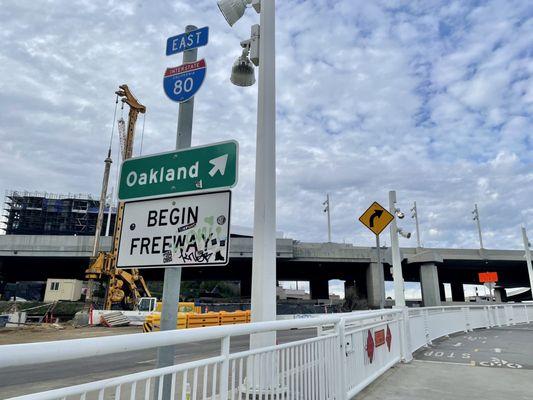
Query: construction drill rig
pixel 124 288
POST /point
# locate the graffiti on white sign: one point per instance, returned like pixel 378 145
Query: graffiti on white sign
pixel 176 231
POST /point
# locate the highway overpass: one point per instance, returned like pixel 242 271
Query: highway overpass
pixel 34 257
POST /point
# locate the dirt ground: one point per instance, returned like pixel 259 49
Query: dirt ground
pixel 50 332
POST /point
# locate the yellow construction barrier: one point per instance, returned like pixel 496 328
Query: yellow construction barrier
pixel 198 320
pixel 201 320
pixel 153 322
pixel 231 318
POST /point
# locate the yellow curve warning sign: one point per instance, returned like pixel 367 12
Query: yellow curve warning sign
pixel 376 218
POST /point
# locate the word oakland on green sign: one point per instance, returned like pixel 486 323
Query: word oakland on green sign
pixel 189 170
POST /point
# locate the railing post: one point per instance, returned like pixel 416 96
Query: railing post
pixel 465 314
pixel 487 313
pixel 405 333
pixel 425 316
pixel 341 379
pixel 224 369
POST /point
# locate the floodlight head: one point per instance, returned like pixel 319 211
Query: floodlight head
pixel 232 10
pixel 242 72
pixel 400 214
pixel 406 235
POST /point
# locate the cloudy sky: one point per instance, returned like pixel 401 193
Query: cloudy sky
pixel 432 99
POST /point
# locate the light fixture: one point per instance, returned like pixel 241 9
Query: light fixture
pixel 399 214
pixel 406 235
pixel 242 72
pixel 232 10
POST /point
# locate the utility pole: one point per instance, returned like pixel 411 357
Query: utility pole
pixel 397 275
pixel 264 240
pixel 326 205
pixel 415 216
pixel 476 218
pixel 528 259
pixel 172 278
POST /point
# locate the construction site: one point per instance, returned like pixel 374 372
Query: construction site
pixel 33 213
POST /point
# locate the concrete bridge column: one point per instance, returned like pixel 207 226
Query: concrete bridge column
pixel 429 282
pixel 375 285
pixel 442 292
pixel 458 293
pixel 319 288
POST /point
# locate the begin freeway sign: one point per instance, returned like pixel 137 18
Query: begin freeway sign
pixel 177 172
pixel 176 231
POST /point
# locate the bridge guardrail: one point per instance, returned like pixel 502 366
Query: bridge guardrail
pixel 347 354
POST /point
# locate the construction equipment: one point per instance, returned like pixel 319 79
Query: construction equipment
pixel 124 288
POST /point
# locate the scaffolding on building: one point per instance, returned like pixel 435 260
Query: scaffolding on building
pixel 38 213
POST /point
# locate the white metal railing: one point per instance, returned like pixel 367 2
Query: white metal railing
pixel 348 352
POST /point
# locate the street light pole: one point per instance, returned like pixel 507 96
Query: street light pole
pixel 397 275
pixel 327 210
pixel 264 240
pixel 476 218
pixel 528 259
pixel 415 216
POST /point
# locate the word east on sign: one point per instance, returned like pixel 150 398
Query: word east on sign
pixel 176 231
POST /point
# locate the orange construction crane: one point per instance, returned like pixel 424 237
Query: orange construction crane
pixel 124 288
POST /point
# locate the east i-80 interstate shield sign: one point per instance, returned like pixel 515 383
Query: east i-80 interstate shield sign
pixel 176 231
pixel 182 82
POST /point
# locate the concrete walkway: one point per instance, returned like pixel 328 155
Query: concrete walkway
pixel 493 364
pixel 427 380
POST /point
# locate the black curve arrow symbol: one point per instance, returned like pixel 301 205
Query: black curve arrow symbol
pixel 377 214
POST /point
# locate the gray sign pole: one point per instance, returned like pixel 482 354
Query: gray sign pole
pixel 172 280
pixel 380 266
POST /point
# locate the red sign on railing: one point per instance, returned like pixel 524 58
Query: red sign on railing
pixel 488 277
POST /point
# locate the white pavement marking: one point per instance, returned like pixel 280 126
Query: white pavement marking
pixel 147 361
pixel 497 350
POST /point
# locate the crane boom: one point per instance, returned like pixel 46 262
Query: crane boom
pixel 123 287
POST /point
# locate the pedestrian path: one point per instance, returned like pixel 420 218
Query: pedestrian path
pixel 490 364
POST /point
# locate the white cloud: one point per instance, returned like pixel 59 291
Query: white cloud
pixel 432 99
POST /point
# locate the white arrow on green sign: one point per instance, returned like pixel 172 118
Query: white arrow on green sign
pixel 190 170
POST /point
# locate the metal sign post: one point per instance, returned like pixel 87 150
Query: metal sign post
pixel 380 266
pixel 172 279
pixel 377 218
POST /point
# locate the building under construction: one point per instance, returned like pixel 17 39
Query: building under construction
pixel 28 213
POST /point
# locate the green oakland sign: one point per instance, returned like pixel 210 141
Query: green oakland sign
pixel 177 172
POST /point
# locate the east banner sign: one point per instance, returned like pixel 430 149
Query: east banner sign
pixel 187 41
pixel 190 170
pixel 180 231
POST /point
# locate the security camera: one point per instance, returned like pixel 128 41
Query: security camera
pixel 406 235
